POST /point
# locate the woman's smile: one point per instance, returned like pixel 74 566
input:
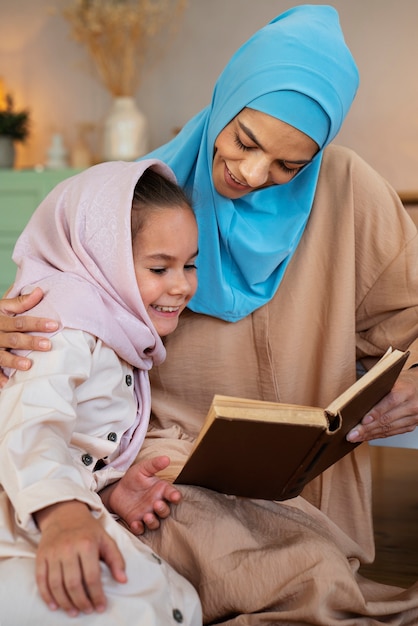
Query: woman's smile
pixel 231 180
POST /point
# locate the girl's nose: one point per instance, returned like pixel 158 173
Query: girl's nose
pixel 181 284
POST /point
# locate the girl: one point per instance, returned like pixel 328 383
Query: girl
pixel 114 250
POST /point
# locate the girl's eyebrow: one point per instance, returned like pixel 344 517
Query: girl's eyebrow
pixel 162 256
pixel 254 139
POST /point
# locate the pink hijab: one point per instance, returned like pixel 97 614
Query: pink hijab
pixel 77 247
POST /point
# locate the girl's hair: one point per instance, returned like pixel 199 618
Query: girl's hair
pixel 152 192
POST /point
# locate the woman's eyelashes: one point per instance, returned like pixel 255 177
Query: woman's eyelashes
pixel 241 145
pixel 281 163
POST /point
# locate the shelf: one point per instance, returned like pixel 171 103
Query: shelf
pixel 21 191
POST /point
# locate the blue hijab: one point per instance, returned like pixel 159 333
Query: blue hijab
pixel 297 69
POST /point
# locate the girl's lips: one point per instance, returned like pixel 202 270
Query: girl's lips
pixel 168 311
pixel 233 182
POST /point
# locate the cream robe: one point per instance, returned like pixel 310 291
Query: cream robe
pixel 350 291
pixel 58 419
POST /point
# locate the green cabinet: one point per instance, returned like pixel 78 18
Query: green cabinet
pixel 20 193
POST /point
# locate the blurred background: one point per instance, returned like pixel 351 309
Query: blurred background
pixel 53 76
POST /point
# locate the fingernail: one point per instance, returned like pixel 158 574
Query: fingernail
pixel 44 344
pixel 368 419
pixel 23 364
pixel 353 435
pixel 51 325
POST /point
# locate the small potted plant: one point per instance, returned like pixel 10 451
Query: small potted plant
pixel 14 126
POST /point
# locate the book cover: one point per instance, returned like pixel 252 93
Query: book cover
pixel 271 450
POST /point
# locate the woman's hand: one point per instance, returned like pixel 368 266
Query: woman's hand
pixel 397 413
pixel 68 558
pixel 13 329
pixel 140 498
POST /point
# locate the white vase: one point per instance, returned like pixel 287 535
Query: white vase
pixel 125 133
pixel 57 154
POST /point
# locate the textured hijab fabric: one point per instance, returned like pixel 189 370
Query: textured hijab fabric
pixel 245 245
pixel 78 248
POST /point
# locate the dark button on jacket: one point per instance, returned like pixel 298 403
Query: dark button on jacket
pixel 178 616
pixel 87 459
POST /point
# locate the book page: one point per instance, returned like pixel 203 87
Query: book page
pixel 232 408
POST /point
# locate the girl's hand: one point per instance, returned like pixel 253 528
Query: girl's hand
pixel 140 498
pixel 68 559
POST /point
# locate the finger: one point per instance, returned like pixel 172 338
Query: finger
pixel 42 583
pixel 377 422
pixel 172 494
pixel 20 304
pixel 389 428
pixel 161 509
pixel 23 341
pixel 367 433
pixel 151 521
pixel 26 323
pixel 154 465
pixel 3 379
pixel 137 527
pixel 73 597
pixel 93 586
pixel 13 362
pixel 58 588
pixel 387 425
pixel 112 556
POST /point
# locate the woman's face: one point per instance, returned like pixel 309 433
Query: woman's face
pixel 256 150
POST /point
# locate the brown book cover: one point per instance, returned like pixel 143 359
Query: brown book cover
pixel 271 450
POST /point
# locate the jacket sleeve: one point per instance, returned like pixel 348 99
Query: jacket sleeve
pixel 38 417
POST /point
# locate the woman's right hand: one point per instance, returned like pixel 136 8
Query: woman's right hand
pixel 13 331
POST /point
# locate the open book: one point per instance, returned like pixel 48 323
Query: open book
pixel 271 450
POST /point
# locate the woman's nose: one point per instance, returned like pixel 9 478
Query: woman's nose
pixel 255 170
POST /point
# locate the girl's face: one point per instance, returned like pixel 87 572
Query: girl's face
pixel 256 150
pixel 165 251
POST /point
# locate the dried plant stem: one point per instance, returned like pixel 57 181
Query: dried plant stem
pixel 118 35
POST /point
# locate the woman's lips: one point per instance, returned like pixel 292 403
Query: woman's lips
pixel 234 182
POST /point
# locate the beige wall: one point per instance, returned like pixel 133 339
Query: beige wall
pixel 51 74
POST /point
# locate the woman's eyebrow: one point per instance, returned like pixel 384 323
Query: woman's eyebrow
pixel 250 134
pixel 254 139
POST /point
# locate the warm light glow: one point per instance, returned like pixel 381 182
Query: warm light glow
pixel 3 102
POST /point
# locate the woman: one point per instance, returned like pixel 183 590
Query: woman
pixel 306 266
